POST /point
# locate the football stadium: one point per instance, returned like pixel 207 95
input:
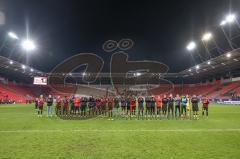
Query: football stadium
pixel 119 79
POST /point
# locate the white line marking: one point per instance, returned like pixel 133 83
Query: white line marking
pixel 120 130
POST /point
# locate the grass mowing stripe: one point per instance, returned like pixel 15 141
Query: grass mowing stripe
pixel 119 130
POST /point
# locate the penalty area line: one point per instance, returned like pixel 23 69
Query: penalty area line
pixel 120 130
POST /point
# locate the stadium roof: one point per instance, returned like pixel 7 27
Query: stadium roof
pixel 225 63
pixel 17 71
pixel 219 66
pixel 7 64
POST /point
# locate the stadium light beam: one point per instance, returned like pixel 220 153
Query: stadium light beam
pixel 191 46
pixel 207 36
pixel 28 45
pixel 13 35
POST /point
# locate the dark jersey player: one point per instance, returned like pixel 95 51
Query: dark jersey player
pixel 164 105
pixel 116 101
pixel 123 105
pixel 148 106
pixel 36 104
pixel 83 106
pixel 91 105
pixel 128 104
pixel 140 106
pixel 170 105
pixel 153 104
pixel 49 105
pixel 194 101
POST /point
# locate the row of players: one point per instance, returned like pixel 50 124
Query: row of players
pixel 154 105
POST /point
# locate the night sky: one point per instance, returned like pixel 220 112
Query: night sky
pixel 61 28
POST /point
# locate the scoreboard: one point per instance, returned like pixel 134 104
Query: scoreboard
pixel 40 81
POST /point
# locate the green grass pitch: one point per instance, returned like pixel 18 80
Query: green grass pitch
pixel 24 135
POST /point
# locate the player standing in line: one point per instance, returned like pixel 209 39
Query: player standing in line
pixel 188 106
pixel 83 106
pixel 110 108
pixel 40 105
pixel 159 105
pixel 148 107
pixel 177 106
pixel 65 106
pixel 116 104
pixel 49 105
pixel 183 106
pixel 164 105
pixel 195 106
pixel 91 106
pixel 133 106
pixel 98 106
pixel 123 105
pixel 58 106
pixel 153 104
pixel 140 107
pixel 104 106
pixel 76 102
pixel 170 106
pixel 36 104
pixel 205 102
pixel 128 105
pixel 71 104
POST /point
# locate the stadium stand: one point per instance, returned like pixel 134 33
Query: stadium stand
pixel 21 93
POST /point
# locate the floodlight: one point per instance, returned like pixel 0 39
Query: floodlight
pixel 235 59
pixel 11 62
pixel 31 70
pixel 228 55
pixel 230 18
pixel 13 35
pixel 206 36
pixel 138 74
pixel 197 67
pixel 189 70
pixel 28 45
pixel 23 66
pixel 223 23
pixel 209 62
pixel 191 46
